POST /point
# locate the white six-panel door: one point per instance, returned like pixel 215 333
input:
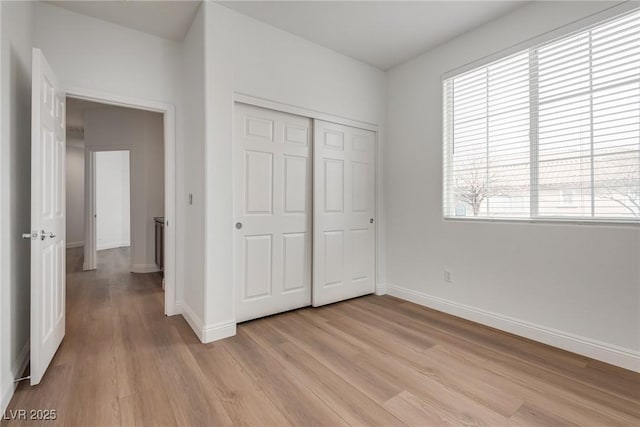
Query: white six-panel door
pixel 344 206
pixel 272 211
pixel 47 216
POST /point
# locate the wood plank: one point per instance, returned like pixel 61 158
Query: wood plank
pixel 568 376
pixel 346 400
pixel 415 412
pixel 242 399
pixel 148 407
pixel 316 343
pixel 481 389
pixel 532 416
pixel 437 395
pixel 577 404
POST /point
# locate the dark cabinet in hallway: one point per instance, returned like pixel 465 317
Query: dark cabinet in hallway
pixel 159 221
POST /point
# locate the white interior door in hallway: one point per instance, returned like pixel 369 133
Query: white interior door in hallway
pixel 344 208
pixel 272 208
pixel 47 216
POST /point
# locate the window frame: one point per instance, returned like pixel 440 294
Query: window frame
pixel 531 46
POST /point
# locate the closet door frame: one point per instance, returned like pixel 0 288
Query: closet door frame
pixel 301 111
pixel 317 115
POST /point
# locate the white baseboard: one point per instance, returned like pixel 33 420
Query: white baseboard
pixel 219 331
pixel 609 353
pixel 144 268
pixel 192 319
pixel 177 308
pixel 75 245
pixel 381 289
pixel 9 386
pixel 209 333
pixel 113 245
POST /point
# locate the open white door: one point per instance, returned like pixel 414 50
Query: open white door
pixel 344 207
pixel 47 216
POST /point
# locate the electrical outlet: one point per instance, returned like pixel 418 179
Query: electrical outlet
pixel 447 276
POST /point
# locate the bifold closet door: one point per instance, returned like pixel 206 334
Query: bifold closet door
pixel 344 206
pixel 272 208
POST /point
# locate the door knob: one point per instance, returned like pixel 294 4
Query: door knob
pixel 238 225
pixel 370 220
pixel 44 235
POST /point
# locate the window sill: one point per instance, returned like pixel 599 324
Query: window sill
pixel 634 223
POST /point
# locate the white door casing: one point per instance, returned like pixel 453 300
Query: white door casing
pixel 47 216
pixel 170 282
pixel 272 211
pixel 89 249
pixel 344 207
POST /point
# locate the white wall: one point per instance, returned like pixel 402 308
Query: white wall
pixel 75 193
pixel 576 286
pixel 15 211
pixel 194 122
pixel 113 207
pixel 140 132
pixel 247 56
pixel 94 54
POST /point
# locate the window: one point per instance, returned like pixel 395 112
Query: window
pixel 551 132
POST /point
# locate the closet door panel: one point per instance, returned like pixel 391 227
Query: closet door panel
pixel 272 211
pixel 344 207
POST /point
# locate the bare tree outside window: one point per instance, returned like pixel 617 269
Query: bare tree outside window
pixel 622 189
pixel 472 189
pixel 475 186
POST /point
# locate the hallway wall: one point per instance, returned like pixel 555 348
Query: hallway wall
pixel 75 193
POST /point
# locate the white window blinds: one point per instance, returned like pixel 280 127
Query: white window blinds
pixel 550 132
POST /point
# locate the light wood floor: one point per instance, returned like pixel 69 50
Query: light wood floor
pixel 368 361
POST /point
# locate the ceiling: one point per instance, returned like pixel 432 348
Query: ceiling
pixel 167 19
pixel 382 34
